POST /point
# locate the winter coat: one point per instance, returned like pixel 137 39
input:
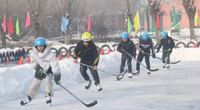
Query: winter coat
pixel 167 44
pixel 45 59
pixel 128 46
pixel 146 45
pixel 89 55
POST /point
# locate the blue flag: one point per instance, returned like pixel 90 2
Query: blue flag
pixel 64 24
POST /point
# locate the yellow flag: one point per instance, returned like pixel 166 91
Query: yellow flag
pixel 136 21
pixel 196 18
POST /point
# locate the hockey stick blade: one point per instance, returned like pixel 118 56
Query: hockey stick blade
pixel 121 75
pixel 162 59
pixel 91 104
pixel 153 69
pixel 175 62
pixel 87 105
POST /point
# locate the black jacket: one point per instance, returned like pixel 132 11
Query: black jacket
pixel 167 43
pixel 146 45
pixel 89 55
pixel 128 47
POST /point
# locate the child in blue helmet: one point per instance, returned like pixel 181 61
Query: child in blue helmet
pixel 168 45
pixel 46 67
pixel 145 44
pixel 129 47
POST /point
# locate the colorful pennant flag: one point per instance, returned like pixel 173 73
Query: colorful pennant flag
pixel 129 26
pixel 89 24
pixel 28 21
pixel 158 21
pixel 17 27
pixel 147 18
pixel 175 22
pixel 196 18
pixel 4 23
pixel 136 21
pixel 10 27
pixel 64 24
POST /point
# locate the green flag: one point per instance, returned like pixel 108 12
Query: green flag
pixel 174 25
pixel 153 28
pixel 129 26
pixel 17 27
pixel 147 17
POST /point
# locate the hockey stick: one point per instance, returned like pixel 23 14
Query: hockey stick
pixel 87 105
pixel 162 59
pixel 98 69
pixel 140 62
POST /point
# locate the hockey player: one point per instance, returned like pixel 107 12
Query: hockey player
pixel 145 44
pixel 127 45
pixel 46 67
pixel 88 53
pixel 168 45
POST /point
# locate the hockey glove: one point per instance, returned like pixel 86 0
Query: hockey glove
pixel 57 78
pixel 39 72
pixel 153 55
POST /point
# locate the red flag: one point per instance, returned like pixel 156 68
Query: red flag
pixel 4 23
pixel 158 21
pixel 10 27
pixel 89 24
pixel 28 21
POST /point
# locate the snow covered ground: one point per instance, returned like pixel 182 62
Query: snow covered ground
pixel 174 89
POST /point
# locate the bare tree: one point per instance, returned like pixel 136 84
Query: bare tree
pixel 154 9
pixel 65 9
pixel 190 9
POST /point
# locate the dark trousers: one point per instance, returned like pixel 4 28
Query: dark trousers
pixel 140 58
pixel 123 61
pixel 166 57
pixel 83 70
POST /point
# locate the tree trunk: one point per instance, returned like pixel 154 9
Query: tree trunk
pixel 158 33
pixel 192 35
pixel 3 37
pixel 36 29
pixel 67 39
pixel 154 16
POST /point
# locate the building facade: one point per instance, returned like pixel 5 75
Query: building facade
pixel 166 14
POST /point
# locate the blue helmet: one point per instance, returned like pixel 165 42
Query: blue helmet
pixel 145 35
pixel 124 35
pixel 164 34
pixel 40 41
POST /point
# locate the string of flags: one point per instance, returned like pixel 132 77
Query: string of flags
pixel 11 26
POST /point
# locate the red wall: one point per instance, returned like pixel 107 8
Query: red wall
pixel 165 10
